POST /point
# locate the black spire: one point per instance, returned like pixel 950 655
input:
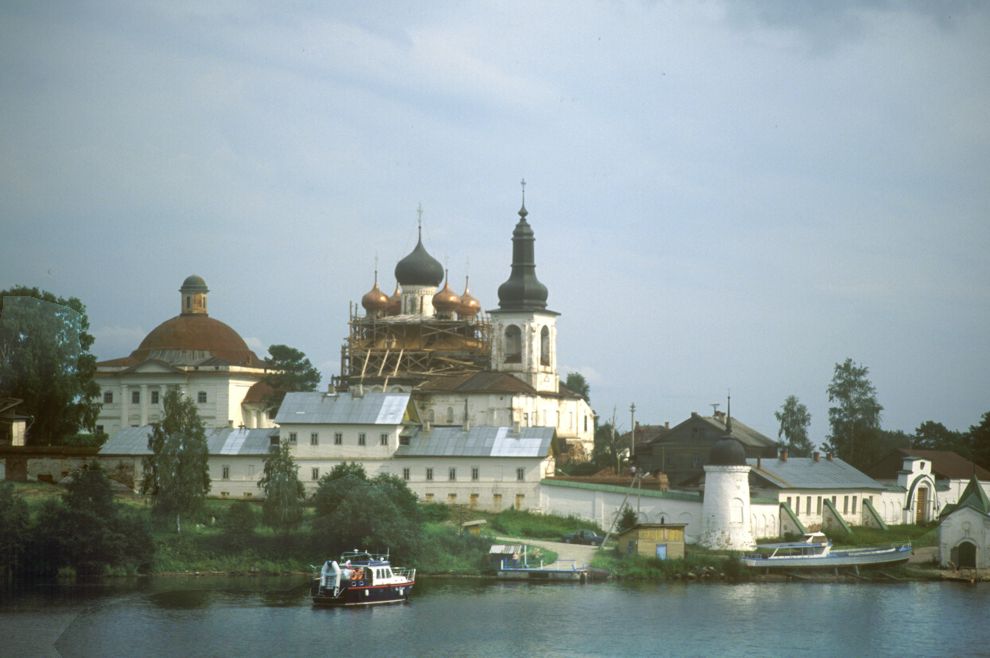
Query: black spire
pixel 522 291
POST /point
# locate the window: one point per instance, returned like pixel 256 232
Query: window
pixel 225 475
pixel 107 397
pixel 404 440
pixel 405 474
pixel 429 474
pixel 497 501
pixel 155 397
pixel 586 422
pixel 452 474
pixel 451 499
pixel 338 438
pixel 789 502
pixel 512 344
pixel 473 501
pixel 819 504
pixel 521 474
pixel 429 498
pixel 292 438
pixel 383 439
pixel 315 474
pixel 520 499
pixel 845 504
pixel 545 346
pixel 361 439
pixel 99 429
pixel 314 438
pixel 135 397
pixel 201 397
pixel 807 505
pixel 474 473
pixel 854 505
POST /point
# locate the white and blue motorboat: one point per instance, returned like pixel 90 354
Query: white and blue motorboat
pixel 361 578
pixel 815 551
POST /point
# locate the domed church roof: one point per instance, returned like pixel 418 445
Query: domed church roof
pixel 522 291
pixel 727 451
pixel 194 283
pixel 446 301
pixel 419 268
pixel 186 338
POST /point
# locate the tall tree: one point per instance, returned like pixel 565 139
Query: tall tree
pixel 45 361
pixel 854 416
pixel 931 435
pixel 979 441
pixel 176 473
pixel 577 383
pixel 608 447
pixel 794 420
pixel 284 492
pixel 288 370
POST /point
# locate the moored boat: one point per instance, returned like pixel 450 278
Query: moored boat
pixel 361 578
pixel 815 550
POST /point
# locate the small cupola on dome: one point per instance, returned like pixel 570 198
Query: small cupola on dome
pixel 375 302
pixel 193 295
pixel 446 302
pixel 419 268
pixel 470 306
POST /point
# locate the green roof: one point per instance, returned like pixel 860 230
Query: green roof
pixel 612 488
pixel 972 496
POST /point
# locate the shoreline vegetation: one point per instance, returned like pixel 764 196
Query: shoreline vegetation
pixel 217 544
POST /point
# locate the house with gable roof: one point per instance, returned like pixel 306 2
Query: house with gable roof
pixel 964 531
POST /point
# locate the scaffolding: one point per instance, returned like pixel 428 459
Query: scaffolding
pixel 408 349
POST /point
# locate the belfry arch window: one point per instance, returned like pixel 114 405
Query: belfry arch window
pixel 513 344
pixel 545 346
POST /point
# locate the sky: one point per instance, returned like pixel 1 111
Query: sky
pixel 726 196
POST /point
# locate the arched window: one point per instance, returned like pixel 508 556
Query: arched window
pixel 513 344
pixel 545 346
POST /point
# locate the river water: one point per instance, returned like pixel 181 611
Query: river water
pixel 273 616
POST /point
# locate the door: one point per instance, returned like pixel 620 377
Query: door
pixel 920 514
pixel 661 551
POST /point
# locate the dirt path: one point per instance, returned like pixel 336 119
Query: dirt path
pixel 568 555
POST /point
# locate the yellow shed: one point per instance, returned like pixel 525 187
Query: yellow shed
pixel 664 541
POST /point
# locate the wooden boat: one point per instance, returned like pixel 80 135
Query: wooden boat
pixel 361 578
pixel 815 551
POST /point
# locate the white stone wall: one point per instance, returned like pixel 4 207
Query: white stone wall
pixel 542 377
pixel 965 525
pixel 764 520
pixel 726 508
pixel 849 503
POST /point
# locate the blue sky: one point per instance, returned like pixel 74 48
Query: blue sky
pixel 725 195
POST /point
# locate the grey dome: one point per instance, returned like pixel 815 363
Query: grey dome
pixel 419 268
pixel 194 283
pixel 727 451
pixel 522 291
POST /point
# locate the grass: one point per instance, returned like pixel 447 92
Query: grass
pixel 697 562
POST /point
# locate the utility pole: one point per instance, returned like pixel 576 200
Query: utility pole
pixel 632 435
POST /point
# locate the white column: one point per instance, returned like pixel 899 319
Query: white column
pixel 144 404
pixel 125 408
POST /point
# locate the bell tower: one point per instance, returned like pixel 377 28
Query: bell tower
pixel 193 296
pixel 524 330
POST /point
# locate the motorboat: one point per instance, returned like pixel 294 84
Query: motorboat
pixel 815 550
pixel 361 578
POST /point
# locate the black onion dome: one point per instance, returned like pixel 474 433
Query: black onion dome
pixel 727 451
pixel 419 268
pixel 522 291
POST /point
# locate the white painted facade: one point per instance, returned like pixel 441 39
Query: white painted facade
pixel 726 509
pixel 133 397
pixel 966 528
pixel 525 345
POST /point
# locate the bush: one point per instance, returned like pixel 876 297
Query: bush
pixel 239 521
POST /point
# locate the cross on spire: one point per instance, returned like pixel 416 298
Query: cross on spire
pixel 419 219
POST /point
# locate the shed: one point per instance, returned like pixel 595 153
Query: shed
pixel 473 527
pixel 664 541
pixel 505 555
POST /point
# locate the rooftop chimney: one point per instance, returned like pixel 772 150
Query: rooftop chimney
pixel 783 454
pixel 817 456
pixel 828 456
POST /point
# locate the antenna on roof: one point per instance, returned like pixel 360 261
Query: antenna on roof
pixel 715 406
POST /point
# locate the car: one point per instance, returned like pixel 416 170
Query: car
pixel 589 537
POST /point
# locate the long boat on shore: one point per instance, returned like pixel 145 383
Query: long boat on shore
pixel 815 551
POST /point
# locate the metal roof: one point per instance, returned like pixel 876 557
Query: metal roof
pixel 373 408
pixel 221 441
pixel 483 441
pixel 806 473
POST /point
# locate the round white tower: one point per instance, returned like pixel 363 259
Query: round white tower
pixel 725 509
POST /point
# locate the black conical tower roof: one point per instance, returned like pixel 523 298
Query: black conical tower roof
pixel 522 291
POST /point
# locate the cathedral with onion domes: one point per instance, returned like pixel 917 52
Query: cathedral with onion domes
pixel 462 365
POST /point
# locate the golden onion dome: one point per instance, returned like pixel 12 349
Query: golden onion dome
pixel 446 301
pixel 394 302
pixel 375 300
pixel 470 306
